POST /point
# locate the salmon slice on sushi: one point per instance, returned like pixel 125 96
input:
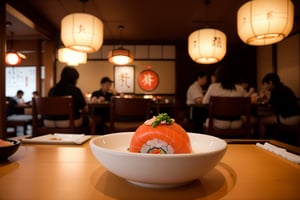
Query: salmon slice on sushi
pixel 160 135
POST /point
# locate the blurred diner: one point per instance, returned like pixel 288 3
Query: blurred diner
pixel 283 103
pixel 213 78
pixel 19 98
pixel 17 104
pixel 245 84
pixel 103 95
pixel 194 97
pixel 67 87
pixel 225 87
pixel 35 94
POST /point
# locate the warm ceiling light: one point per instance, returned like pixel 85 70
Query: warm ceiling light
pixel 82 32
pixel 207 46
pixel 120 56
pixel 263 22
pixel 12 58
pixel 71 57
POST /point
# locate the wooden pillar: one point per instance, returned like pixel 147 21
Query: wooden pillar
pixel 2 68
pixel 49 63
pixel 39 64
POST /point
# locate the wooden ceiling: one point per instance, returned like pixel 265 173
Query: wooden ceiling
pixel 155 21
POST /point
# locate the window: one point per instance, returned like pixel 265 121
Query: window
pixel 20 78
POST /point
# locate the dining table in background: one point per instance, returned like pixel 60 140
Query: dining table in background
pixel 54 172
pixel 101 106
pixel 156 107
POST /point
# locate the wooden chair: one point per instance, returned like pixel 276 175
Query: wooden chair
pixel 229 107
pixel 126 114
pixel 15 117
pixel 13 121
pixel 53 106
pixel 288 133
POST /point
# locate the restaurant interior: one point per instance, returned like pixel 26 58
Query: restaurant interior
pixel 155 35
pixel 150 53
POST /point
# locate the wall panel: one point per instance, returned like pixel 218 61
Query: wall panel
pixel 93 71
pixel 288 62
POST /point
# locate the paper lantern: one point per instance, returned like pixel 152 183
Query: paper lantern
pixel 263 22
pixel 207 46
pixel 82 32
pixel 71 57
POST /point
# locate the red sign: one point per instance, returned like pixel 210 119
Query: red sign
pixel 148 80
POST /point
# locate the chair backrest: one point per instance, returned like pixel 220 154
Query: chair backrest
pixel 52 106
pixel 55 105
pixel 12 107
pixel 230 107
pixel 129 110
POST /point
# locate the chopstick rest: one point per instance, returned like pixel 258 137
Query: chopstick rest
pixel 280 151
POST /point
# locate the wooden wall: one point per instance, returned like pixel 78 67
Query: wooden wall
pixel 288 62
pixel 92 72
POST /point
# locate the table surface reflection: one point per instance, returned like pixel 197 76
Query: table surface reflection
pixel 40 171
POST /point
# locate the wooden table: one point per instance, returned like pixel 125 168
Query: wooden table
pixel 60 172
pixel 93 106
pixel 156 107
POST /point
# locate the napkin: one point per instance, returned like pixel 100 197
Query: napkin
pixel 280 152
pixel 58 138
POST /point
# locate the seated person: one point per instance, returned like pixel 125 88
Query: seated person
pixel 195 92
pixel 283 102
pixel 19 97
pixel 249 90
pixel 34 94
pixel 103 95
pixel 20 103
pixel 225 87
pixel 194 97
pixel 67 87
pixel 213 78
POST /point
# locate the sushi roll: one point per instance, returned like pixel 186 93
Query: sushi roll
pixel 160 135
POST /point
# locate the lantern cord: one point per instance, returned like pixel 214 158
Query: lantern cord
pixel 207 3
pixel 121 28
pixel 11 41
pixel 83 4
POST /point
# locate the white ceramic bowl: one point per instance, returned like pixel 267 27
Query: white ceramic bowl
pixel 158 170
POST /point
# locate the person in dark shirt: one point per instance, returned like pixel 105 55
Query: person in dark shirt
pixel 67 87
pixel 103 95
pixel 282 101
